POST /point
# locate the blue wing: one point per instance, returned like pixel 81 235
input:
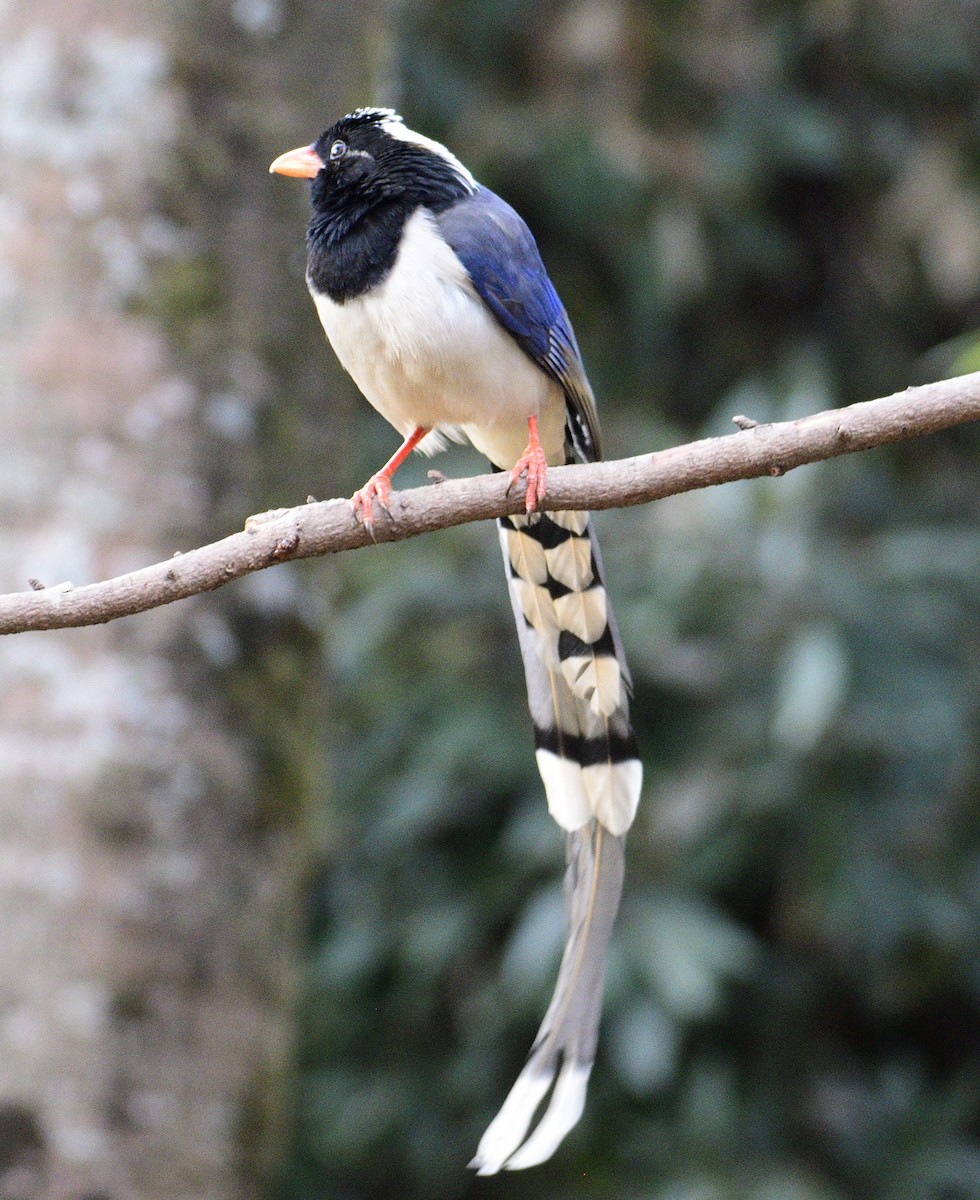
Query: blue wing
pixel 502 258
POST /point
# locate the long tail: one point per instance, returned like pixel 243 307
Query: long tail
pixel 578 690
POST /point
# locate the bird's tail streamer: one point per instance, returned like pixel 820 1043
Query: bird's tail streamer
pixel 578 691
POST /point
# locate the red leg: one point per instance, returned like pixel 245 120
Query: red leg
pixel 533 461
pixel 379 485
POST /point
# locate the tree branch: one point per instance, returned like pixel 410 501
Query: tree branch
pixel 324 528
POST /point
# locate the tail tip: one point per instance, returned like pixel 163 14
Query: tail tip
pixel 505 1146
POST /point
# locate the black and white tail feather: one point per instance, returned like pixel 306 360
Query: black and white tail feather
pixel 578 690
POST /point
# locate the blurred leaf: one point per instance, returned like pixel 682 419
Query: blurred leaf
pixel 814 676
pixel 687 952
pixel 644 1047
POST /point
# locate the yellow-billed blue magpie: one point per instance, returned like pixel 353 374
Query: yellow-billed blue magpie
pixel 434 297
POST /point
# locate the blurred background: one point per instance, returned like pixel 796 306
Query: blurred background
pixel 280 900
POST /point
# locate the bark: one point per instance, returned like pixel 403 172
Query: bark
pixel 328 527
pixel 148 927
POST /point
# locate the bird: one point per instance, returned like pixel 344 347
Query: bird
pixel 433 294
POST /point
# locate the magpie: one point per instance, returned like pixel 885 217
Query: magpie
pixel 433 294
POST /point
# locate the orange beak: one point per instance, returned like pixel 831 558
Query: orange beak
pixel 302 163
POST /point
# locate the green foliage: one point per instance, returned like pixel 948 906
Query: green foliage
pixel 769 209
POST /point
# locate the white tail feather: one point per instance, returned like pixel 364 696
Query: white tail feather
pixel 506 1131
pixel 562 1114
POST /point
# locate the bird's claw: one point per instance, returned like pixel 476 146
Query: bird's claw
pixel 378 487
pixel 534 462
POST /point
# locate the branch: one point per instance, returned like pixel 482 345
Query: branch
pixel 327 527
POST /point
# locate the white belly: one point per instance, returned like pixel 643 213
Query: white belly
pixel 425 350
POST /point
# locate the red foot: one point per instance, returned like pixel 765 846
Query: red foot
pixel 378 487
pixel 535 463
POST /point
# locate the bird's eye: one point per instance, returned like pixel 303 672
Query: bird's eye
pixel 337 149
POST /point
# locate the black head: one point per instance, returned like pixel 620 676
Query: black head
pixel 371 158
pixel 369 175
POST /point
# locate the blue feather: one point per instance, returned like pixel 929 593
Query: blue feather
pixel 502 258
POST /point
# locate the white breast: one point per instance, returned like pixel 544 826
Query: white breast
pixel 425 350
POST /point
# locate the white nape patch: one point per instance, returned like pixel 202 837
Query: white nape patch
pixel 613 790
pixel 394 126
pixel 568 800
pixel 376 110
pixel 597 680
pixel 506 1131
pixel 564 1109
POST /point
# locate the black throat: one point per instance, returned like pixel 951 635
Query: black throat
pixel 352 252
pixel 355 231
